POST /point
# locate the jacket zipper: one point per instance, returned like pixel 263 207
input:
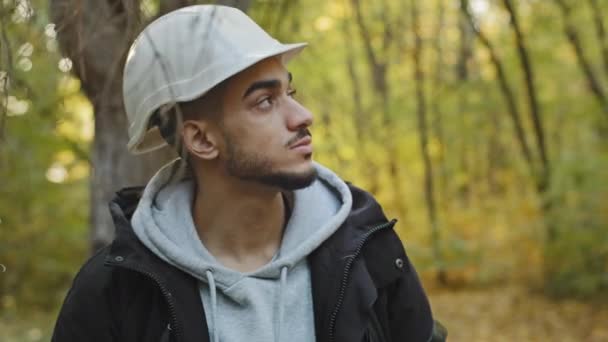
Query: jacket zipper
pixel 346 274
pixel 164 291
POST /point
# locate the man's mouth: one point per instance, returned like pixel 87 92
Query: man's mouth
pixel 302 142
pixel 302 138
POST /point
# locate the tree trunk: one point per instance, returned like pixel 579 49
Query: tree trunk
pixel 436 96
pixel 424 144
pixel 495 154
pixel 505 88
pixel 360 121
pixel 539 131
pixel 465 54
pixel 543 182
pixel 6 64
pixel 95 35
pixel 378 67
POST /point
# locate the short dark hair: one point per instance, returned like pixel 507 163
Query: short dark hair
pixel 208 106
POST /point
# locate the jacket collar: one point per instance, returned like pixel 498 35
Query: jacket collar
pixel 365 212
pixel 128 252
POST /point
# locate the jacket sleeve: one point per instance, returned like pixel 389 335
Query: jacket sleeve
pixel 85 314
pixel 409 312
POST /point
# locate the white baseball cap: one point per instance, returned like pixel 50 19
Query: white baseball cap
pixel 184 54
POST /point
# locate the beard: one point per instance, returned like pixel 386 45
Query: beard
pixel 253 166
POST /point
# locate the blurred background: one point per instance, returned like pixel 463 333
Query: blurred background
pixel 482 125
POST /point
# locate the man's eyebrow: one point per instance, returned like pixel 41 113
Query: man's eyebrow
pixel 272 84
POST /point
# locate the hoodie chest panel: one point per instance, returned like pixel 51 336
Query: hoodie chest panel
pixel 248 309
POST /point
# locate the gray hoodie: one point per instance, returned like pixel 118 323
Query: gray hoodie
pixel 272 303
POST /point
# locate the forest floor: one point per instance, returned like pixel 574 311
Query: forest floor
pixel 516 314
pixel 506 313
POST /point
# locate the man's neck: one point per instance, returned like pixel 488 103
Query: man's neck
pixel 241 224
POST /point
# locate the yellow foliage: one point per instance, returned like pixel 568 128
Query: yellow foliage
pixel 68 85
pixel 79 125
pixel 79 171
pixel 348 152
pixel 323 23
pixel 65 157
pixel 337 9
pixel 435 148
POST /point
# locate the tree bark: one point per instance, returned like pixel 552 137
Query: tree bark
pixel 95 35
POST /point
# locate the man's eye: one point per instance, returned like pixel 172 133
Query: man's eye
pixel 265 103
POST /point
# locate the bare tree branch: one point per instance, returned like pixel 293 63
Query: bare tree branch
pixel 355 83
pixel 387 37
pixel 504 85
pixel 378 68
pixel 601 32
pixel 585 65
pixel 532 93
pixel 361 123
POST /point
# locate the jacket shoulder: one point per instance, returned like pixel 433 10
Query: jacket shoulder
pixel 86 308
pixel 93 277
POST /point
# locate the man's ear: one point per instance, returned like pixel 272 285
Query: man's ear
pixel 200 139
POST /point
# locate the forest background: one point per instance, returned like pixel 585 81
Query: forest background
pixel 482 125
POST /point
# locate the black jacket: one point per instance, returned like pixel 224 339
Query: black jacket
pixel 363 285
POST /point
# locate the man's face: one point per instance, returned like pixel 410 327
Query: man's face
pixel 265 130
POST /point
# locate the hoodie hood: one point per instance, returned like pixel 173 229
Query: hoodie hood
pixel 246 306
pixel 166 227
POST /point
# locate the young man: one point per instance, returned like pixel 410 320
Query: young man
pixel 243 238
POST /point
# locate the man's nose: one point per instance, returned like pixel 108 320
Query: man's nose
pixel 298 116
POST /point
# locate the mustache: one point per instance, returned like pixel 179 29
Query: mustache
pixel 302 133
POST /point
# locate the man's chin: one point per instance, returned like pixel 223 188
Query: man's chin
pixel 254 168
pixel 290 180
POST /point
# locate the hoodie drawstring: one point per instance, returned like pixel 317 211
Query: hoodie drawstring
pixel 213 293
pixel 282 285
pixel 281 308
